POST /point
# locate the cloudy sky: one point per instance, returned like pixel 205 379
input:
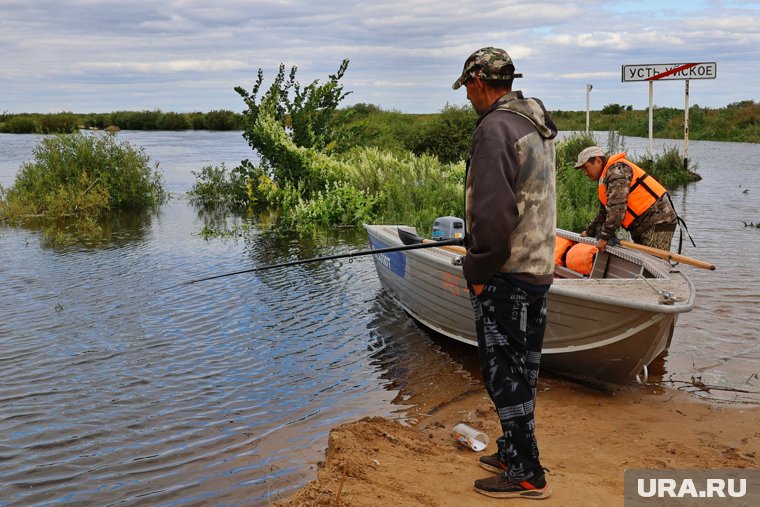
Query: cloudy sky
pixel 188 55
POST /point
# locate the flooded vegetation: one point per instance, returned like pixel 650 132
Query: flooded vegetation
pixel 76 182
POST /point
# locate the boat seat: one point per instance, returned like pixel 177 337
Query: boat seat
pixel 600 265
pixel 610 266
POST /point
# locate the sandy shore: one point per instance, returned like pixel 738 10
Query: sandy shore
pixel 587 440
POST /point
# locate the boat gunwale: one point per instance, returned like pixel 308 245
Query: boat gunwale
pixel 577 290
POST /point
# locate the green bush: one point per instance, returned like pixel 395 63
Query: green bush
pixel 447 135
pixel 60 123
pixel 668 168
pixel 321 165
pixel 222 120
pixel 296 156
pixel 19 125
pixel 173 121
pixel 366 126
pixel 83 175
pixel 411 189
pixel 577 200
pixel 569 148
pixel 339 203
pixel 213 187
pixel 661 117
pixel 372 184
pixel 613 109
pixel 136 120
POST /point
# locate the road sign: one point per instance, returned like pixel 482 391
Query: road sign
pixel 669 71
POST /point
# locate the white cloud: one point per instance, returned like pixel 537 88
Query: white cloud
pixel 405 56
pixel 168 66
pixel 584 75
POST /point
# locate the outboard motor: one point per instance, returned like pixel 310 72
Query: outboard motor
pixel 448 228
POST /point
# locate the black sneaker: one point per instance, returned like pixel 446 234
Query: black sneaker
pixel 500 486
pixel 493 464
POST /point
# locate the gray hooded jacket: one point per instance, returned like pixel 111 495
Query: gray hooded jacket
pixel 510 193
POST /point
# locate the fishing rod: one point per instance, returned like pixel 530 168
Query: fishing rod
pixel 401 248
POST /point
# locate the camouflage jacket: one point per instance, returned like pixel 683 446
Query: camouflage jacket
pixel 610 217
pixel 510 193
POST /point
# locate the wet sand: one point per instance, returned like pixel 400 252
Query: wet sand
pixel 587 439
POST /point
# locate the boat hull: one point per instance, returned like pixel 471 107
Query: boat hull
pixel 597 330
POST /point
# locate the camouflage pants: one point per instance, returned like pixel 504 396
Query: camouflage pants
pixel 510 325
pixel 658 236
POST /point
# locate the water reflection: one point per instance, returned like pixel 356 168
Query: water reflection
pixel 428 370
pixel 219 392
pixel 113 230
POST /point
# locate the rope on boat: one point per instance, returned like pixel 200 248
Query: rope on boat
pixel 665 297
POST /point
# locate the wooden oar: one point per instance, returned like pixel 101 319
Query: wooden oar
pixel 670 256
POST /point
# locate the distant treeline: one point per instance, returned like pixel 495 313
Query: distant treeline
pixel 738 122
pixel 447 132
pixel 67 122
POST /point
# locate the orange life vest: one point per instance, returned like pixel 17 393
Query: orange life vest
pixel 642 192
pixel 561 246
pixel 580 258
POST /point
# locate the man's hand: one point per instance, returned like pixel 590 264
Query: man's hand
pixel 584 235
pixel 601 245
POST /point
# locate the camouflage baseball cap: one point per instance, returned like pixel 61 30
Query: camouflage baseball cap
pixel 487 63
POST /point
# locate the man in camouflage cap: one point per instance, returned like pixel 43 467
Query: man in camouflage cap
pixel 487 63
pixel 510 218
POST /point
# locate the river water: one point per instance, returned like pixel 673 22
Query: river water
pixel 718 343
pixel 222 393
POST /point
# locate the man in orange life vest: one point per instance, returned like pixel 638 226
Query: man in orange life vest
pixel 629 197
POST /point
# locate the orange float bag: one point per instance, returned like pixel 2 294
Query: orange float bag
pixel 580 258
pixel 561 246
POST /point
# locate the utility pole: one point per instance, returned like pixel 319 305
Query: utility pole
pixel 588 92
pixel 686 128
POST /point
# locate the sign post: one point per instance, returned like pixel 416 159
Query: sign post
pixel 686 127
pixel 651 118
pixel 668 72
